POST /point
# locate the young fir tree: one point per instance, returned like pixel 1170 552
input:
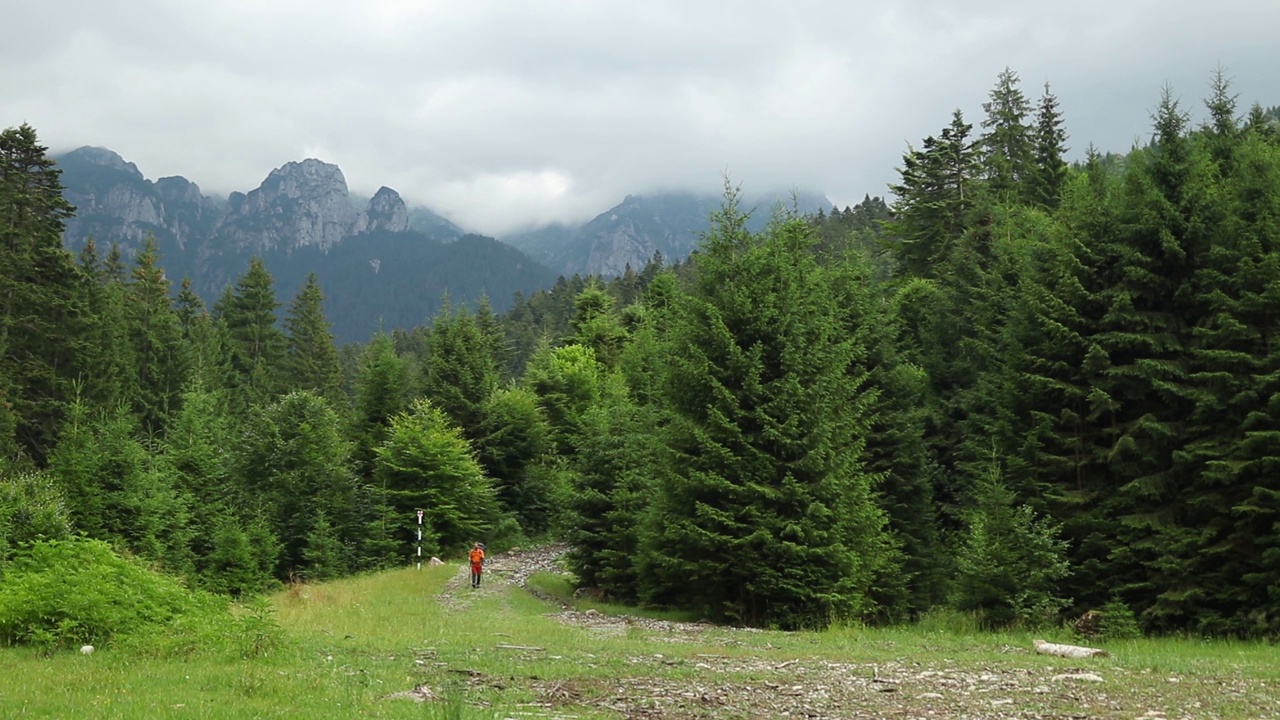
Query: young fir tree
pixel 425 463
pixel 1009 561
pixel 566 381
pixel 596 326
pixel 121 493
pixel 764 514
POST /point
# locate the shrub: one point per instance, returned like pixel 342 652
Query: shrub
pixel 1117 622
pixel 63 593
pixel 31 508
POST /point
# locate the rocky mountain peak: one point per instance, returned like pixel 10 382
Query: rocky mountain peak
pixel 386 211
pixel 298 204
pixel 103 157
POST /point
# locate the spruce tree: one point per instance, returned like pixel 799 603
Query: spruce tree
pixel 312 359
pixel 107 349
pixel 764 514
pixel 613 485
pixel 935 197
pixel 295 459
pixel 257 345
pixel 42 304
pixel 461 371
pixel 156 339
pixel 512 441
pixel 425 463
pixel 1049 144
pixel 1007 143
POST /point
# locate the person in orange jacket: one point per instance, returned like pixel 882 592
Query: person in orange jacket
pixel 477 564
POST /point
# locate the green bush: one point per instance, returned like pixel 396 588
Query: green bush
pixel 31 508
pixel 1118 622
pixel 63 593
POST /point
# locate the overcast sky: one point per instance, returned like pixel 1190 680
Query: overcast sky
pixel 506 114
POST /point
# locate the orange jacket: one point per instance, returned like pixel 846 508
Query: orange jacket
pixel 477 556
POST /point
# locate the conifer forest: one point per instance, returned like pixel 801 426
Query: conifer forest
pixel 1029 382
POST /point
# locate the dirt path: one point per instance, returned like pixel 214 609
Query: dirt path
pixel 711 685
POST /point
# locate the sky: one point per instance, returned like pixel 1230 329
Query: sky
pixel 512 114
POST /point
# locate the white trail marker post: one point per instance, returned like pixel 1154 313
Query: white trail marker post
pixel 419 539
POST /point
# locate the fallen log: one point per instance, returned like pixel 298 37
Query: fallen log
pixel 1067 651
pixel 505 646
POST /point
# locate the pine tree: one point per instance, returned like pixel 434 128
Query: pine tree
pixel 1007 144
pixel 156 339
pixel 935 198
pixel 764 515
pixel 42 307
pixel 312 359
pixel 461 371
pixel 612 489
pixel 1049 170
pixel 257 345
pixel 427 464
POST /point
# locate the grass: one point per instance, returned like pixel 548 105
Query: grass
pixel 343 647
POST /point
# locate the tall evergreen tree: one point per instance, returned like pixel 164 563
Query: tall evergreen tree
pixel 297 461
pixel 765 514
pixel 613 486
pixel 257 345
pixel 1049 144
pixel 461 371
pixel 42 305
pixel 156 339
pixel 1007 143
pixel 107 349
pixel 512 442
pixel 312 359
pixel 595 325
pixel 935 198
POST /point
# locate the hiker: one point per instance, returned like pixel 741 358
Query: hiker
pixel 477 564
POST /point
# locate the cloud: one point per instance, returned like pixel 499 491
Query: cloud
pixel 506 114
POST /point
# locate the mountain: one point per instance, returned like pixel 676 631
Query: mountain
pixel 380 266
pixel 631 232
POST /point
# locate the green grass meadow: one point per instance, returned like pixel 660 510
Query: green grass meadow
pixel 340 649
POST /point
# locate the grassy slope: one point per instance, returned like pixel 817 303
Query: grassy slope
pixel 349 644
